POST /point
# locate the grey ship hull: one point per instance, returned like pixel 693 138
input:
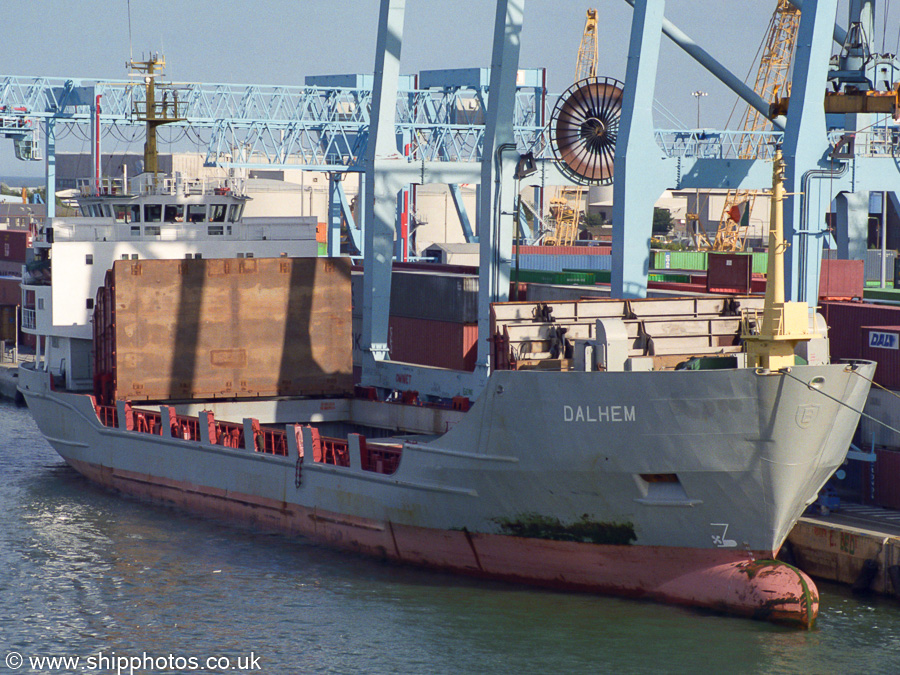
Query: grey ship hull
pixel 661 484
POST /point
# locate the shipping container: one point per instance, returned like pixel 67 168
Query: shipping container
pixel 13 244
pixel 887 478
pixel 697 260
pixel 436 296
pixel 599 276
pixel 562 278
pixel 10 290
pixel 760 262
pixel 669 278
pixel 439 344
pixel 872 264
pixel 846 319
pixel 563 250
pixel 882 344
pixel 842 279
pixel 220 328
pixel 557 263
pixel 729 273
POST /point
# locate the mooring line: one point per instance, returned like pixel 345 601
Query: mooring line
pixel 787 371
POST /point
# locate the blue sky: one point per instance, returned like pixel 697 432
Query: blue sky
pixel 282 41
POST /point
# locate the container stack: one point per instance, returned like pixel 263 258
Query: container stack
pixel 433 319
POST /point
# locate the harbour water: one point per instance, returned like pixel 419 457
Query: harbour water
pixel 128 586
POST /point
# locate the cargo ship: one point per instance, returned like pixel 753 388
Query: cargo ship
pixel 650 448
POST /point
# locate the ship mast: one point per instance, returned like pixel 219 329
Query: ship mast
pixel 771 343
pixel 154 114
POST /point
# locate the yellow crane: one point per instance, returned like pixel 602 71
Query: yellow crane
pixel 566 208
pixel 772 82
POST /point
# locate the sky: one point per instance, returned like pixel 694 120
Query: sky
pixel 279 42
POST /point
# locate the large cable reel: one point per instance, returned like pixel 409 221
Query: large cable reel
pixel 583 129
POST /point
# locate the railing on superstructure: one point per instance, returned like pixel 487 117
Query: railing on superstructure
pixel 29 321
pixel 162 186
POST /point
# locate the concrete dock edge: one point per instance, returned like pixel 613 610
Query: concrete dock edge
pixel 838 552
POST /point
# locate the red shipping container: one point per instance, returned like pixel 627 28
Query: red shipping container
pixel 565 250
pixel 882 344
pixel 13 244
pixel 887 478
pixel 846 319
pixel 729 273
pixel 842 279
pixel 440 344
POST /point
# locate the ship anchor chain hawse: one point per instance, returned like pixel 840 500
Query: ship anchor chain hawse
pixel 623 463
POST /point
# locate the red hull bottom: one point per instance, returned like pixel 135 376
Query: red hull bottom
pixel 722 580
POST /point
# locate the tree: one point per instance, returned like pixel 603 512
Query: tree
pixel 662 221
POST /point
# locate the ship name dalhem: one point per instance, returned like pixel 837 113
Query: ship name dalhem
pixel 600 413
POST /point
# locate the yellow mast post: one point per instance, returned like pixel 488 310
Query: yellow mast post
pixel 153 114
pixel 784 324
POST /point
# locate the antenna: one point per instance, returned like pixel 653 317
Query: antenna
pixel 130 48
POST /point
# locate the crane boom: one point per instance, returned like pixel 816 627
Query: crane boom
pixel 772 81
pixel 569 205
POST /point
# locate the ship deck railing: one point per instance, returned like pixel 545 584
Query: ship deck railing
pixel 382 458
pixel 101 187
pixel 161 186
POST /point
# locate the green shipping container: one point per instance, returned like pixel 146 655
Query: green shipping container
pixel 559 278
pixel 760 263
pixel 600 276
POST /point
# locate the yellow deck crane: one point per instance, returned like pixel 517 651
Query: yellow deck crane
pixel 567 207
pixel 772 82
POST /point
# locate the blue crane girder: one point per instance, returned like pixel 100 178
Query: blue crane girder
pixel 312 126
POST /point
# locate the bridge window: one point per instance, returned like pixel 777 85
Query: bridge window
pixel 196 213
pixel 174 213
pixel 120 211
pixel 234 212
pixel 152 213
pixel 217 213
pixel 135 213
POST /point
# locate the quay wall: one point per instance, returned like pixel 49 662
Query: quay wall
pixel 838 553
